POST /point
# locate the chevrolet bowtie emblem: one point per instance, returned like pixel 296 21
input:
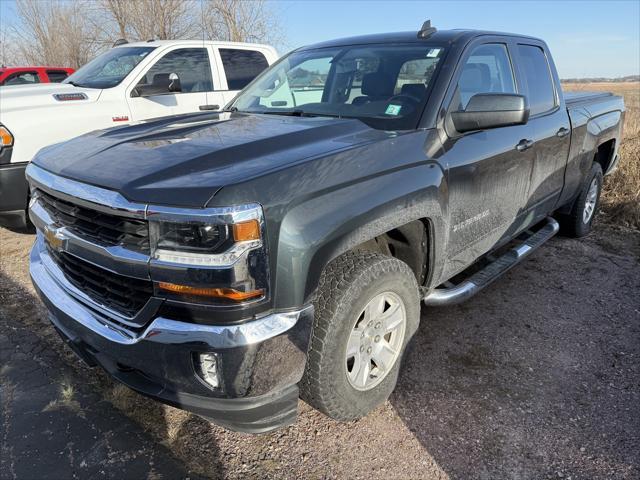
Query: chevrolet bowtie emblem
pixel 53 237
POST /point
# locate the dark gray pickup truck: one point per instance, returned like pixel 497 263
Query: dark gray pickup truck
pixel 230 262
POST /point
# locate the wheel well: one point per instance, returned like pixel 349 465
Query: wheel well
pixel 410 243
pixel 604 154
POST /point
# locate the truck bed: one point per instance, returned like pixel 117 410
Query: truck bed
pixel 574 99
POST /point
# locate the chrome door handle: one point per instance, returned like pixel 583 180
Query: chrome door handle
pixel 524 144
pixel 563 132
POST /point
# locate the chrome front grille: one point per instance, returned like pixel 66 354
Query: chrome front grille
pixel 103 228
pixel 124 295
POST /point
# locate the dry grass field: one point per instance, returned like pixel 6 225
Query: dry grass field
pixel 621 198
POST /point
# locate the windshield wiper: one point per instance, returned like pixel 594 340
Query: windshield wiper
pixel 298 113
pixel 79 85
pixel 230 109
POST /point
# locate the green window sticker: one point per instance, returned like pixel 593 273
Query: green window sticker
pixel 393 109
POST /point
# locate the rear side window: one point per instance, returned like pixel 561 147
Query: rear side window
pixel 190 64
pixel 487 70
pixel 537 79
pixel 56 76
pixel 22 78
pixel 241 66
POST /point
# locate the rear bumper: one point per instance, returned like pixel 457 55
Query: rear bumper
pixel 261 361
pixel 14 193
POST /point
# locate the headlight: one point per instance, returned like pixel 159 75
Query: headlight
pixel 196 238
pixel 203 244
pixel 217 253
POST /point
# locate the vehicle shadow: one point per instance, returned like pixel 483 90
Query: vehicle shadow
pixel 130 452
pixel 534 377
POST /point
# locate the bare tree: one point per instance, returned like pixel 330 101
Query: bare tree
pixel 54 32
pixel 153 19
pixel 240 21
pixel 9 54
pixel 119 11
pixel 71 32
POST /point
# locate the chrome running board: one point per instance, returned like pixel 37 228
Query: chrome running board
pixel 476 282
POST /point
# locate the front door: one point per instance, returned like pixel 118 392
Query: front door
pixel 193 68
pixel 488 176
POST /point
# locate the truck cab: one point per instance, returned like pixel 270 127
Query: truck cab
pixel 131 82
pixel 30 75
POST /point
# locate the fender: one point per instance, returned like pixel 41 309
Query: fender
pixel 315 232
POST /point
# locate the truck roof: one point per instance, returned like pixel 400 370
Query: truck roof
pixel 159 43
pixel 440 36
pixel 14 68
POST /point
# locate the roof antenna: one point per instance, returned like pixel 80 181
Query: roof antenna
pixel 120 41
pixel 427 30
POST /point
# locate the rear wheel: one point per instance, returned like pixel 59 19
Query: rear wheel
pixel 366 310
pixel 579 221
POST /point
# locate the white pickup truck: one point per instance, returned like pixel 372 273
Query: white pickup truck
pixel 129 83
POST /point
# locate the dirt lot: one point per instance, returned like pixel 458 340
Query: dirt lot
pixel 536 377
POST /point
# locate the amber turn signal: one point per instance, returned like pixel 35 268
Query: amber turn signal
pixel 6 139
pixel 246 231
pixel 228 293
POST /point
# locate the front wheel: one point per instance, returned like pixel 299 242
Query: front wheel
pixel 367 309
pixel 579 221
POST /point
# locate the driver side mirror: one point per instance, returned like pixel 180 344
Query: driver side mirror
pixel 162 84
pixel 491 110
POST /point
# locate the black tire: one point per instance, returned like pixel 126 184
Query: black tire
pixel 345 288
pixel 573 224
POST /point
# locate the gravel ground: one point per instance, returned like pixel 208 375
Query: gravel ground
pixel 536 377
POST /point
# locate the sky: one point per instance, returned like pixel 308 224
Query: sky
pixel 587 38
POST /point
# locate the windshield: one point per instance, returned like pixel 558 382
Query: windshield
pixel 385 86
pixel 110 68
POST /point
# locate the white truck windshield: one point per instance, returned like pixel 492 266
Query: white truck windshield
pixel 110 68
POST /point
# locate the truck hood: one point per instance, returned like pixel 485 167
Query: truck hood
pixel 184 160
pixel 41 95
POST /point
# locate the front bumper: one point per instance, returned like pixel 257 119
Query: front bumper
pixel 14 193
pixel 261 361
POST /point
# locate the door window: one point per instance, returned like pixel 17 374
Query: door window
pixel 241 66
pixel 487 70
pixel 23 78
pixel 190 64
pixel 56 76
pixel 537 79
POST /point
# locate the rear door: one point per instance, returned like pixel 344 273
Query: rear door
pixel 550 122
pixel 239 67
pixel 193 67
pixel 488 177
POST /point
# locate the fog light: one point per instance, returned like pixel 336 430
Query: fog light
pixel 207 365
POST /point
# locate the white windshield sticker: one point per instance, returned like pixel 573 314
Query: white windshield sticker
pixel 434 52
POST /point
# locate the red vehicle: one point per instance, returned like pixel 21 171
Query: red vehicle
pixel 30 75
